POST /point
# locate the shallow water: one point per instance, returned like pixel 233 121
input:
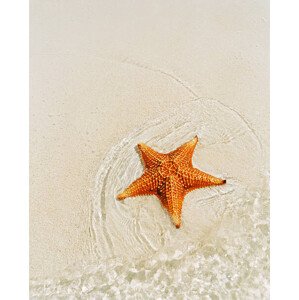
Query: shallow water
pixel 221 250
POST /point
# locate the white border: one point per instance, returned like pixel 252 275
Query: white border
pixel 284 150
pixel 14 150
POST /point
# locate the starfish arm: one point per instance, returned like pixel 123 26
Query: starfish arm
pixel 171 193
pixel 150 157
pixel 193 178
pixel 147 184
pixel 184 153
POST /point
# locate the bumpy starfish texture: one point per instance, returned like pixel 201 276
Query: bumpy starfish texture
pixel 170 177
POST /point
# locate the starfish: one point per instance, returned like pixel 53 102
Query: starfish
pixel 169 177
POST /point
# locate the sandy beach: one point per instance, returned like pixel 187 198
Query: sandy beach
pixel 105 75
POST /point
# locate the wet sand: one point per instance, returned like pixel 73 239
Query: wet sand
pixel 100 71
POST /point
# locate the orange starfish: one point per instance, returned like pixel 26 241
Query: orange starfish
pixel 170 177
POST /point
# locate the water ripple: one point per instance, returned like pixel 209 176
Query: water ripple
pixel 224 231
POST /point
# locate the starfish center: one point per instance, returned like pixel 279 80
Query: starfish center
pixel 168 168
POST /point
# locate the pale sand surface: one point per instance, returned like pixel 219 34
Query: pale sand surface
pixel 100 70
